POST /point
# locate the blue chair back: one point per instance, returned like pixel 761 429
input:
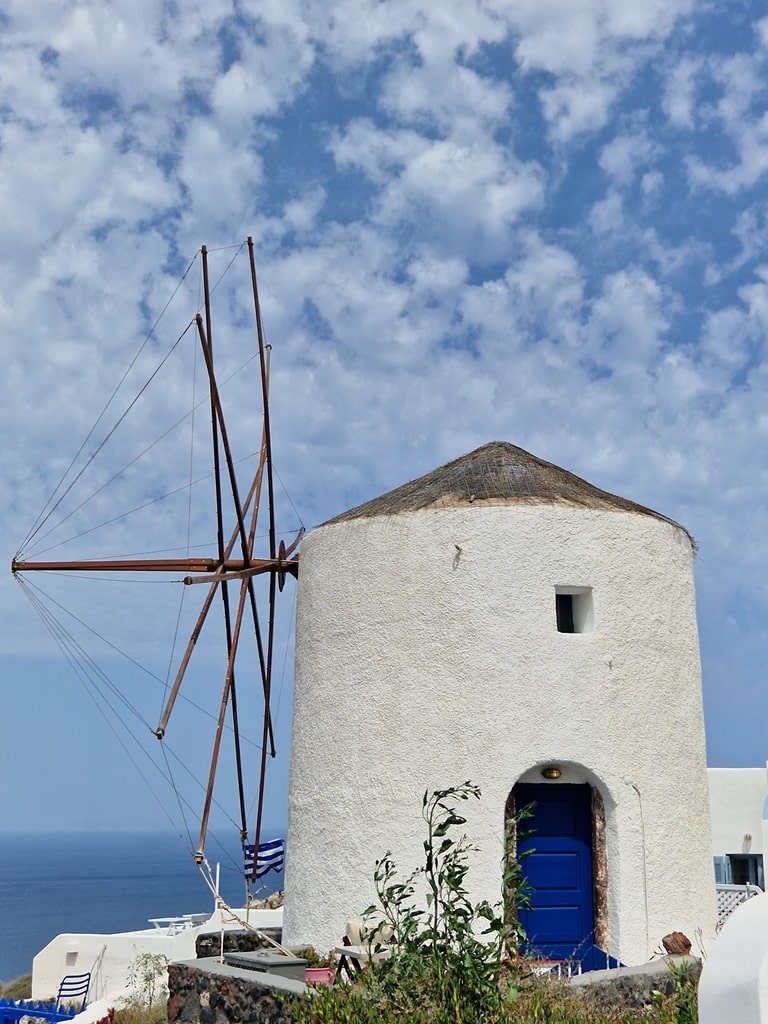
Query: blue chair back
pixel 73 992
pixel 73 988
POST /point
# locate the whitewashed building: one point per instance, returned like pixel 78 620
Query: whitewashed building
pixel 739 805
pixel 502 620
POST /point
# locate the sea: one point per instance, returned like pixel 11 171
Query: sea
pixel 102 882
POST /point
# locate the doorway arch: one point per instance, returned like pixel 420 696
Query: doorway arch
pixel 564 862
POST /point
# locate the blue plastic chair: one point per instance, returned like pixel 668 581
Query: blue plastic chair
pixel 70 1000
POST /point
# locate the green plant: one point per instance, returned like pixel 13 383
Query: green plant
pixel 680 1006
pixel 449 952
pixel 309 954
pixel 144 977
pixel 345 1004
pixel 313 958
pixel 445 952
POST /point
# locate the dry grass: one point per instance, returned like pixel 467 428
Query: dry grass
pixel 555 1003
pixel 136 1013
pixel 19 988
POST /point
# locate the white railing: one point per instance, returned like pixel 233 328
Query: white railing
pixel 731 896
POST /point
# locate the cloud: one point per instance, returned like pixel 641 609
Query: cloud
pixel 463 196
pixel 591 49
pixel 629 320
pixel 739 116
pixel 680 92
pixel 447 97
pixel 352 32
pixel 536 222
pixel 574 106
pixel 268 74
pixel 624 156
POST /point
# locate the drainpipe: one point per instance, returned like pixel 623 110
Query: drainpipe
pixel 634 786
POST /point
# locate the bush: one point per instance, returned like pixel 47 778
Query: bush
pixel 19 988
pixel 681 1006
pixel 147 974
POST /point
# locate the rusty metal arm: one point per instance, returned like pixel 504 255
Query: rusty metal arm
pixel 207 565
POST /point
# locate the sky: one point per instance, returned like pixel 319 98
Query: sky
pixel 539 222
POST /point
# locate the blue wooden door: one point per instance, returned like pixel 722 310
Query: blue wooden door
pixel 558 868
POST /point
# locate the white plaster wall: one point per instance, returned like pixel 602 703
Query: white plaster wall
pixel 737 799
pixel 109 957
pixel 419 665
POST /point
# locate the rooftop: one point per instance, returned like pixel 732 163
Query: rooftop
pixel 498 473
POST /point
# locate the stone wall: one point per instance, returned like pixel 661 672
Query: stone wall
pixel 209 943
pixel 633 987
pixel 207 992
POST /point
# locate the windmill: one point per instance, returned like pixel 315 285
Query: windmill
pixel 228 571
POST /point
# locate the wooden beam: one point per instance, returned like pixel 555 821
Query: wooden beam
pixel 185 565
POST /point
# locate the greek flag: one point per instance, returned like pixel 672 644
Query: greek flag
pixel 271 857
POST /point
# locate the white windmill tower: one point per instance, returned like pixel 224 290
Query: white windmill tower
pixel 504 621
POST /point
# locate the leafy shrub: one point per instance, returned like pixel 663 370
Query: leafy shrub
pixel 681 1006
pixel 313 958
pixel 447 955
pixel 146 978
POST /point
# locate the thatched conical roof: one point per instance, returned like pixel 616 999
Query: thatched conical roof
pixel 499 473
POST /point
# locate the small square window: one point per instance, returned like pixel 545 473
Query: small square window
pixel 573 610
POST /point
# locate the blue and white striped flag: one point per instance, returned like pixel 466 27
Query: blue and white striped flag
pixel 271 857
